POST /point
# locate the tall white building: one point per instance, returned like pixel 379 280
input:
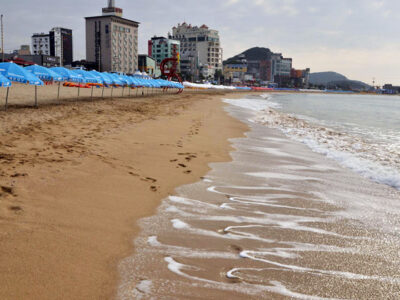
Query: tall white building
pixel 200 45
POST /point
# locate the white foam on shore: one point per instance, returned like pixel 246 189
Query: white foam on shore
pixel 348 275
pixel 370 160
pixel 270 175
pixel 144 288
pixel 178 224
pixel 378 164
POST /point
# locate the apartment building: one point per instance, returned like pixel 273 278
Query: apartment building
pixel 112 41
pixel 200 44
pixel 41 43
pixel 161 48
pixel 61 45
pixel 56 43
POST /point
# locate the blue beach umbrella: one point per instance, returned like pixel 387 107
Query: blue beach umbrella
pixel 68 75
pixel 115 79
pixel 87 76
pixel 43 73
pixel 4 82
pixel 18 74
pixel 102 77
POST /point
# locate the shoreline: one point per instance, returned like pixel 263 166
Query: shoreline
pixel 75 176
pixel 276 221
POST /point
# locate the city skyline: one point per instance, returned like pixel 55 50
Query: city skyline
pixel 356 39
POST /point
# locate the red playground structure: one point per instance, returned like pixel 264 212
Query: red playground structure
pixel 169 68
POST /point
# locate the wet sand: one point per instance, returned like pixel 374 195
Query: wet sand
pixel 277 222
pixel 75 176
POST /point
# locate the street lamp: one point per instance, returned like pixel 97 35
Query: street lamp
pixel 2 38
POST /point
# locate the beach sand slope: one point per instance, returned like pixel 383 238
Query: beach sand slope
pixel 76 176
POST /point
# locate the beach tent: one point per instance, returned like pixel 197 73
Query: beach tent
pixel 13 72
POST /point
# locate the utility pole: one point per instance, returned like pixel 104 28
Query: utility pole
pixel 2 38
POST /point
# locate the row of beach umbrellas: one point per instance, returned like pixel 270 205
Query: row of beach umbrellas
pixel 36 75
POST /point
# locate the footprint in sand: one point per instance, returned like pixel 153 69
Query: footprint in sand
pixel 16 209
pixel 8 190
pixel 182 165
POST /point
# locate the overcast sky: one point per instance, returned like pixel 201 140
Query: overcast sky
pixel 358 38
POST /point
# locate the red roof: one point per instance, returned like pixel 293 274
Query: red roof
pixel 20 61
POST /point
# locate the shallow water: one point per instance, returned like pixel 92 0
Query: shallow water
pixel 278 222
pixel 362 132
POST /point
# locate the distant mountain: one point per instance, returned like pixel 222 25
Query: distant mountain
pixel 256 53
pixel 353 85
pixel 323 78
pixel 335 80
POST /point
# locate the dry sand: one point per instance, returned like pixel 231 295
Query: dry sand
pixel 76 176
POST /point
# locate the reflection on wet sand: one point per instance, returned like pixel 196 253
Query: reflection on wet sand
pixel 277 222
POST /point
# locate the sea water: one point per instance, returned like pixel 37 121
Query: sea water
pixel 361 132
pixel 308 208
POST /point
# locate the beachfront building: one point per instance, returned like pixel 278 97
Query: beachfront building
pixel 149 65
pixel 61 45
pixel 57 43
pixel 41 43
pixel 112 41
pixel 201 45
pixel 235 73
pixel 161 48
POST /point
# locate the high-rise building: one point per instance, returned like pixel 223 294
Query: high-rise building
pixel 57 43
pixel 112 41
pixel 200 44
pixel 41 43
pixel 61 45
pixel 161 48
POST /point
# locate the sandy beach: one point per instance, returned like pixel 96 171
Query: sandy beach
pixel 75 176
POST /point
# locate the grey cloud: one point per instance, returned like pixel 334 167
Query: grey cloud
pixel 293 27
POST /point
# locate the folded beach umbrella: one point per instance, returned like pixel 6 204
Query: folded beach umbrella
pixel 4 82
pixel 87 76
pixel 44 73
pixel 18 74
pixel 68 75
